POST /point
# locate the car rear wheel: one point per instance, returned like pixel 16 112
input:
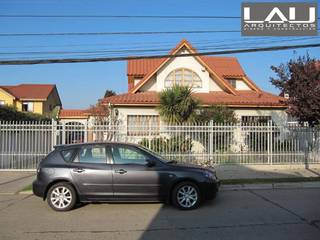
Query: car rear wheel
pixel 62 197
pixel 186 196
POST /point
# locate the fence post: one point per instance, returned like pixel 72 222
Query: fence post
pixel 63 133
pixel 269 140
pixel 54 133
pixel 85 132
pixel 211 141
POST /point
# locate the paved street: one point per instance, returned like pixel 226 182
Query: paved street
pixel 246 214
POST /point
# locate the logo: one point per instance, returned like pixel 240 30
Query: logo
pixel 279 19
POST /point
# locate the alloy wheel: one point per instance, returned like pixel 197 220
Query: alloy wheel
pixel 187 196
pixel 61 197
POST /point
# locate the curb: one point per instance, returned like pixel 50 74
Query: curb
pixel 25 192
pixel 270 186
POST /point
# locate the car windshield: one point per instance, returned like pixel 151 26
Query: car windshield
pixel 157 155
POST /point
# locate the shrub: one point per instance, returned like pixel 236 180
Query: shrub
pixel 178 144
pixel 217 114
pixel 8 113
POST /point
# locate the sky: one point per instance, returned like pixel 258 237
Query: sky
pixel 81 84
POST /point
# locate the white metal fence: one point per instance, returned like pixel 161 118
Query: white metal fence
pixel 24 144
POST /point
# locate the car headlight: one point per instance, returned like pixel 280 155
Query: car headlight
pixel 209 174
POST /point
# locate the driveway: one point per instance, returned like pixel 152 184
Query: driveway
pixel 244 214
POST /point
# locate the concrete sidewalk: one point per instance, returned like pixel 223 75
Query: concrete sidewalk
pixel 266 171
pixel 13 182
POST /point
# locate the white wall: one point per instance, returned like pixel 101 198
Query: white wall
pixel 241 85
pixel 191 63
pixel 151 85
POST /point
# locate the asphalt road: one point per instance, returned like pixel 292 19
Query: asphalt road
pixel 246 214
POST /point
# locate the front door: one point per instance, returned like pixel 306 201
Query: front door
pixel 91 173
pixel 133 179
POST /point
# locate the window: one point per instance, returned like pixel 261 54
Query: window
pixel 143 125
pixel 255 119
pixel 2 102
pixel 68 154
pixel 233 82
pixel 92 154
pixel 183 77
pixel 128 155
pixel 27 106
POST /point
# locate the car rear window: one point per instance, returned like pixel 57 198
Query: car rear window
pixel 68 154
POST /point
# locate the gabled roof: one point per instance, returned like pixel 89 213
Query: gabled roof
pixel 219 67
pixel 30 91
pixel 244 99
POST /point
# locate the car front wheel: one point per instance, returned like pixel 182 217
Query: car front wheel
pixel 186 196
pixel 62 197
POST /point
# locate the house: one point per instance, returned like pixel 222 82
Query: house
pixel 74 116
pixel 215 80
pixel 35 98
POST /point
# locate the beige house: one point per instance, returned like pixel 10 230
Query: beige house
pixel 215 81
pixel 36 98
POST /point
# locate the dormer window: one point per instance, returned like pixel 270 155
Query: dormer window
pixel 183 77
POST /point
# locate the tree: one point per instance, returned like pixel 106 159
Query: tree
pixel 177 105
pixel 109 93
pixel 300 78
pixel 100 112
pixel 218 114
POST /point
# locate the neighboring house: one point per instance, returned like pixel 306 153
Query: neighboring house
pixel 35 98
pixel 74 116
pixel 215 80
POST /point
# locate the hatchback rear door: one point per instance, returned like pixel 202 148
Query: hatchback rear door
pixel 91 172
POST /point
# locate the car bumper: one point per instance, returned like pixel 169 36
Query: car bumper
pixel 210 188
pixel 38 188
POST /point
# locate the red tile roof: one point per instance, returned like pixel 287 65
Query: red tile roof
pixel 243 98
pixel 224 66
pixel 73 113
pixel 221 67
pixel 30 91
pixel 141 67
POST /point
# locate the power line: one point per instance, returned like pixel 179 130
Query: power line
pixel 116 33
pixel 108 59
pixel 120 16
pixel 221 45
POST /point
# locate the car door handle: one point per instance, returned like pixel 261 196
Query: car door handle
pixel 120 171
pixel 78 170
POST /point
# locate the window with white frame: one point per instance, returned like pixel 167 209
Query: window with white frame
pixel 27 106
pixel 143 125
pixel 2 102
pixel 183 77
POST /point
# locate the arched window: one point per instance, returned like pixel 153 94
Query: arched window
pixel 183 77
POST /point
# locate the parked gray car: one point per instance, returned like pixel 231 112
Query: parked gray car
pixel 108 172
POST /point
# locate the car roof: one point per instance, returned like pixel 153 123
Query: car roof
pixel 92 143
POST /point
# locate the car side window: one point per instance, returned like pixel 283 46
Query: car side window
pixel 68 154
pixel 92 154
pixel 128 155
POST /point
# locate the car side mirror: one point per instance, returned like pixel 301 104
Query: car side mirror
pixel 150 163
